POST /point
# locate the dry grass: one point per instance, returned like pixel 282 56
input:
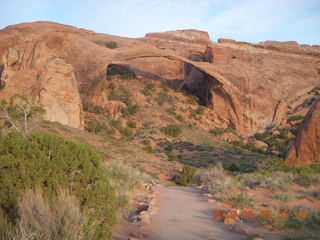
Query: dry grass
pixel 40 219
pixel 217 179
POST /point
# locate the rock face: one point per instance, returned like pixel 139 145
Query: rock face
pixel 246 86
pixel 189 35
pixel 306 148
pixel 115 108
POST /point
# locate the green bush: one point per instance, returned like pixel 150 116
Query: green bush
pixel 116 124
pixel 121 94
pixel 146 142
pixel 49 161
pixel 300 236
pixel 171 157
pixel 295 118
pixel 162 97
pixel 217 179
pixel 200 110
pixel 304 180
pixel 172 130
pixel 93 108
pixel 241 200
pixel 111 45
pixel 147 89
pixel 132 124
pixel 126 132
pixel 148 149
pixel 130 110
pixel 261 136
pixel 186 176
pixel 179 118
pixel 171 111
pixel 96 126
pixel 233 168
pixel 216 131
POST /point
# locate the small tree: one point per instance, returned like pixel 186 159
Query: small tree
pixel 186 176
pixel 111 45
pixel 19 113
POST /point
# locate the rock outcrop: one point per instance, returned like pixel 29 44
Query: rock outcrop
pixel 306 148
pixel 246 86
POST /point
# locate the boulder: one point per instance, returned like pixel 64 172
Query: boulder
pixel 144 217
pixel 260 145
pixel 306 148
pixel 226 40
pixel 276 133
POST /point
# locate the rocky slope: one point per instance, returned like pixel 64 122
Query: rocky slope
pixel 306 148
pixel 246 86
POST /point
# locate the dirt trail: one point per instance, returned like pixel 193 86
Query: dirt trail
pixel 183 214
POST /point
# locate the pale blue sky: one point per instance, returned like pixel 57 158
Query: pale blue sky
pixel 243 20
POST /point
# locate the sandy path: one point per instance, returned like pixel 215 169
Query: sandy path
pixel 183 214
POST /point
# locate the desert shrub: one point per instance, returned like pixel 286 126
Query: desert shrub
pixel 125 76
pixel 216 131
pixel 233 168
pixel 172 130
pixel 6 227
pixel 121 94
pixel 62 219
pixel 111 86
pixel 273 219
pixel 200 110
pixel 111 45
pixel 303 180
pixel 130 110
pixel 116 124
pixel 300 236
pixel 132 124
pixel 186 176
pixel 308 169
pixel 146 142
pixel 241 200
pixel 148 149
pixel 192 99
pixel 217 179
pixel 297 218
pixel 269 180
pixel 123 177
pixel 126 132
pixel 162 97
pixel 49 161
pixel 168 148
pixel 171 157
pixel 284 197
pixel 148 89
pixel 271 164
pixel 261 136
pixel 171 111
pixel 93 108
pixel 2 85
pixel 21 114
pixel 295 118
pixel 96 126
pixel 179 118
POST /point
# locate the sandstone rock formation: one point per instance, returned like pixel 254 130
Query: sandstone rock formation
pixel 246 86
pixel 115 108
pixel 306 148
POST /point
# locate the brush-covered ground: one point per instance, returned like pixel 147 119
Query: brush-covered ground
pixel 64 183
